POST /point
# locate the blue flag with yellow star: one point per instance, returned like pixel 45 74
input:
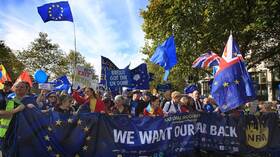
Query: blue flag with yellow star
pixel 59 11
pixel 51 134
pixel 232 85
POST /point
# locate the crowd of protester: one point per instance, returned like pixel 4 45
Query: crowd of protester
pixel 132 103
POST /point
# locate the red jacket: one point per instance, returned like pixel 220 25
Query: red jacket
pixel 99 107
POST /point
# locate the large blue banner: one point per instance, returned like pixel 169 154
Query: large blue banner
pixel 33 133
pixel 154 136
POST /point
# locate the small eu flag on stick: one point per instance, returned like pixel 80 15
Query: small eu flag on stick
pixel 59 11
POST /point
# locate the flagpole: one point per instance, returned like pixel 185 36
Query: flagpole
pixel 75 54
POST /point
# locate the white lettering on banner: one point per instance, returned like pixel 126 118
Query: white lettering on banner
pixel 184 130
pixel 232 132
pixel 123 136
pixel 201 127
pixel 213 130
pixel 146 137
pixel 221 132
pixel 117 72
pixel 225 131
pixel 118 78
pixel 83 77
pixel 152 136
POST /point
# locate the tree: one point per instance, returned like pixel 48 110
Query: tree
pixel 13 66
pixel 42 54
pixel 200 25
pixel 80 60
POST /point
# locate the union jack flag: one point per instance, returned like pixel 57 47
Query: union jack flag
pixel 231 51
pixel 207 60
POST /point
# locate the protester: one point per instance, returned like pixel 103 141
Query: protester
pixel 136 105
pixel 127 94
pixel 90 102
pixel 12 106
pixel 108 102
pixel 120 107
pixel 153 109
pixel 172 107
pixel 197 103
pixel 146 96
pixel 4 94
pixel 41 99
pixel 52 100
pixel 64 104
pixel 165 98
pixel 207 106
pixel 186 104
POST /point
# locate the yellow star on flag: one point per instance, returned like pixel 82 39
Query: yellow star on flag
pixel 236 82
pixel 88 138
pixel 79 122
pixel 49 148
pixel 58 122
pixel 70 120
pixel 47 138
pixel 86 129
pixel 225 84
pixel 49 128
pixel 85 148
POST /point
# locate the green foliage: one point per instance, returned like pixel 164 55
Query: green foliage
pixel 43 54
pixel 10 62
pixel 80 60
pixel 200 25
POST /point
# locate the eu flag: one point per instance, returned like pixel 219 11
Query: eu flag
pixel 51 134
pixel 140 77
pixel 62 84
pixel 232 85
pixel 165 55
pixel 59 11
pixel 106 64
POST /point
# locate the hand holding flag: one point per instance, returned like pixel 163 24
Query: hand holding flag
pixel 232 85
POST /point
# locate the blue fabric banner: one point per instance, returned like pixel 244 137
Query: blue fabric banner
pixel 34 134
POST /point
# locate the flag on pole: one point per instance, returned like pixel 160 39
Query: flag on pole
pixel 24 76
pixel 207 60
pixel 4 77
pixel 165 55
pixel 59 11
pixel 231 50
pixel 232 85
pixel 106 64
pixel 140 77
pixel 61 84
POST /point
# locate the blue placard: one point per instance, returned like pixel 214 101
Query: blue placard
pixel 118 78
